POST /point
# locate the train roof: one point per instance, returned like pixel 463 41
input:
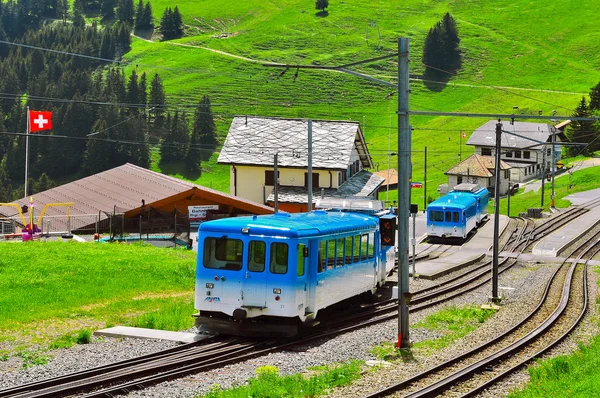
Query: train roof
pixel 453 200
pixel 293 225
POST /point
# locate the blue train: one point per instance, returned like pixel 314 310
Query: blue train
pixel 272 274
pixel 456 214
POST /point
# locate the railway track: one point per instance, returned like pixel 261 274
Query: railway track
pixel 151 369
pixel 559 311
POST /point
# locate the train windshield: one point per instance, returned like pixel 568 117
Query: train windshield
pixel 436 215
pixel 223 253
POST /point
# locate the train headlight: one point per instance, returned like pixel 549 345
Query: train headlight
pixel 216 278
pixel 210 285
pixel 277 298
pixel 276 291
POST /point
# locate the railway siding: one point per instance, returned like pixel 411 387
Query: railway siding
pixel 558 241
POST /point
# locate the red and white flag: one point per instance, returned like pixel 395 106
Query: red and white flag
pixel 40 120
pixel 463 135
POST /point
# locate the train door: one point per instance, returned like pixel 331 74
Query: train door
pixel 254 283
pixel 303 278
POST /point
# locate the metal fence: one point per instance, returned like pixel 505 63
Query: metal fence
pixel 150 221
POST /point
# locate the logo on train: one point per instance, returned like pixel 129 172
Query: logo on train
pixel 212 299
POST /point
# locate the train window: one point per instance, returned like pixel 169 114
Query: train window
pixel 223 253
pixel 455 216
pixel 356 249
pixel 301 257
pixel 322 256
pixel 279 258
pixel 339 252
pixel 448 216
pixel 363 246
pixel 331 254
pixel 436 216
pixel 371 244
pixel 256 257
pixel 348 250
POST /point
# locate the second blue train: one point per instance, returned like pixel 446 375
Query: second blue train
pixel 457 213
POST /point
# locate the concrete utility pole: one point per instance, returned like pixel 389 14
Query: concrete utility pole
pixel 425 182
pixel 276 183
pixel 553 166
pixel 310 179
pixel 404 153
pixel 495 297
pixel 543 172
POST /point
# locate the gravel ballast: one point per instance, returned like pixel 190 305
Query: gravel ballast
pixel 525 282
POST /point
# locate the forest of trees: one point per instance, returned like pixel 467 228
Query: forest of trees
pixel 102 117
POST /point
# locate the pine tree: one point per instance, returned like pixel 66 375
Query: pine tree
pixel 595 97
pixel 139 12
pixel 43 183
pixel 321 4
pixel 166 24
pixel 157 102
pixel 147 17
pixel 177 23
pixel 581 131
pixel 171 24
pixel 62 9
pixel 168 151
pixel 132 89
pixel 142 90
pixel 204 127
pixel 78 19
pixel 451 42
pixel 108 9
pixel 126 11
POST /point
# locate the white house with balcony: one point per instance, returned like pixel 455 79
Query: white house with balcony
pixel 339 160
pixel 525 147
pixel 480 170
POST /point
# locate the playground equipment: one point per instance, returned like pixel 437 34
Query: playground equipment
pixel 31 229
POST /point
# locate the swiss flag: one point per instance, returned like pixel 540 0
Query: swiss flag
pixel 40 120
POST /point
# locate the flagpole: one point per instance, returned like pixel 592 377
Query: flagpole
pixel 460 146
pixel 27 153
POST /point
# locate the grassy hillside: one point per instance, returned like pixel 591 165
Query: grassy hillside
pixel 526 48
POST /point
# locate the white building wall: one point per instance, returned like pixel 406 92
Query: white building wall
pixel 251 181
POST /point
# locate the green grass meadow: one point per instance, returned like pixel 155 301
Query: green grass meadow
pixel 56 289
pixel 514 54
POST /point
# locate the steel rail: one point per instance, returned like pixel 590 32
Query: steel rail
pixel 398 386
pixel 541 352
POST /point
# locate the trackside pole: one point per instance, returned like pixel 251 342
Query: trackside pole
pixel 404 169
pixel 495 298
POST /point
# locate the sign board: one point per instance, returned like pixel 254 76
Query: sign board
pixel 560 164
pixel 416 185
pixel 198 213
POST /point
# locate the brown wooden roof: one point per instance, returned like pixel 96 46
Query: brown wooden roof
pixel 125 187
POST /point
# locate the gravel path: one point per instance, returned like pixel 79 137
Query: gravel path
pixel 526 281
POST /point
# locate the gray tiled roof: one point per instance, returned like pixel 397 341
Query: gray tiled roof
pixel 362 184
pixel 477 166
pixel 486 134
pixel 255 140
